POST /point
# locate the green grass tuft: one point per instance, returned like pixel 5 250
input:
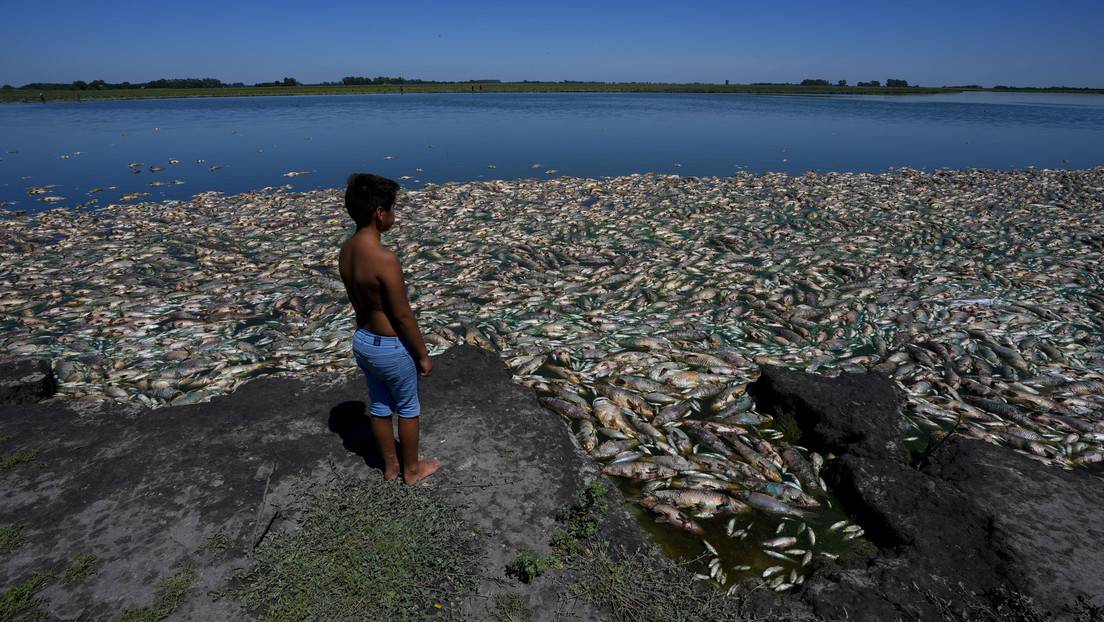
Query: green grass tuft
pixel 175 587
pixel 364 549
pixel 84 567
pixel 20 600
pixel 509 608
pixel 9 463
pixel 11 538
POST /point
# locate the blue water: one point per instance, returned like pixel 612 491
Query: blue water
pixel 459 137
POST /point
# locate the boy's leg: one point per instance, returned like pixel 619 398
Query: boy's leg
pixel 384 432
pixel 415 468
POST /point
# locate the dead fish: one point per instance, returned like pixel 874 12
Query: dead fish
pixel 640 471
pixel 671 413
pixel 566 408
pixel 769 504
pixel 703 501
pixel 609 449
pixel 625 399
pixel 674 516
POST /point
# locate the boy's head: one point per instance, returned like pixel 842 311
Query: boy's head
pixel 365 193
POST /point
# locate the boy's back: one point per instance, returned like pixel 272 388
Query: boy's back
pixel 365 267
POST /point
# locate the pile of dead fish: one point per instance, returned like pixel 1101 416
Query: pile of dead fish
pixel 637 307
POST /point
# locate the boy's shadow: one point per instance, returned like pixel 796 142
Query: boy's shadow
pixel 351 421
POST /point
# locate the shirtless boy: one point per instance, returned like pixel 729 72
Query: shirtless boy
pixel 387 344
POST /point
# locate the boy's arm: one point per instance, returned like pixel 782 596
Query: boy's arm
pixel 397 308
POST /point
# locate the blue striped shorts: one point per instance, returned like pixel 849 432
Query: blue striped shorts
pixel 390 373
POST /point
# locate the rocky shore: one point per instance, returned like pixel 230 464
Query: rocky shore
pixel 144 492
pixel 638 308
pixel 970 518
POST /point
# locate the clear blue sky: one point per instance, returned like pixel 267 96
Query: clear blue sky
pixel 1012 42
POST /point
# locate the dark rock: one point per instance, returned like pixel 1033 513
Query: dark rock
pixel 25 381
pixel 856 413
pixel 980 518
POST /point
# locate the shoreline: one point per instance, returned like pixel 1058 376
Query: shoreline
pixel 13 209
pixel 978 292
pixel 29 97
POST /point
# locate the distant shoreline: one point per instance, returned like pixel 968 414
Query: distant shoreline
pixel 27 96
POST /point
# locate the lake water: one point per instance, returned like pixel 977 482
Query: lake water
pixel 435 138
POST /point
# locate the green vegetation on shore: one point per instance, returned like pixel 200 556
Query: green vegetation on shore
pixel 53 95
pixel 370 549
pixel 364 549
pixel 10 462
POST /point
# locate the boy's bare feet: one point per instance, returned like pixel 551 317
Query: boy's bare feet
pixel 422 470
pixel 390 473
pixel 385 441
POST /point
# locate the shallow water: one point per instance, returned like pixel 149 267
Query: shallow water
pixel 86 148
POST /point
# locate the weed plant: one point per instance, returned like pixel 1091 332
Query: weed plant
pixel 20 601
pixel 509 608
pixel 11 538
pixel 84 567
pixel 10 462
pixel 174 589
pixel 364 549
pixel 527 566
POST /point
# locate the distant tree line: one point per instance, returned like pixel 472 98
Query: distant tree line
pixel 163 83
pixel 206 83
pixel 285 82
pixel 360 80
pixel 1045 88
pixel 818 82
pixel 822 82
pixel 209 83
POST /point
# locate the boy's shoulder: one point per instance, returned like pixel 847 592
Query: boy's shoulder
pixel 368 248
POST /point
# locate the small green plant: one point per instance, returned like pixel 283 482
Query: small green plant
pixel 581 519
pixel 509 608
pixel 174 587
pixel 527 566
pixel 216 541
pixel 85 566
pixel 20 599
pixel 9 463
pixel 11 538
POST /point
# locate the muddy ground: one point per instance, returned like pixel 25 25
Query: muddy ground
pixel 148 491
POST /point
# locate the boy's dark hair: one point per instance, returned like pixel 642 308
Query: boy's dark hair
pixel 365 193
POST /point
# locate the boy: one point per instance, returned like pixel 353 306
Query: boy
pixel 387 344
